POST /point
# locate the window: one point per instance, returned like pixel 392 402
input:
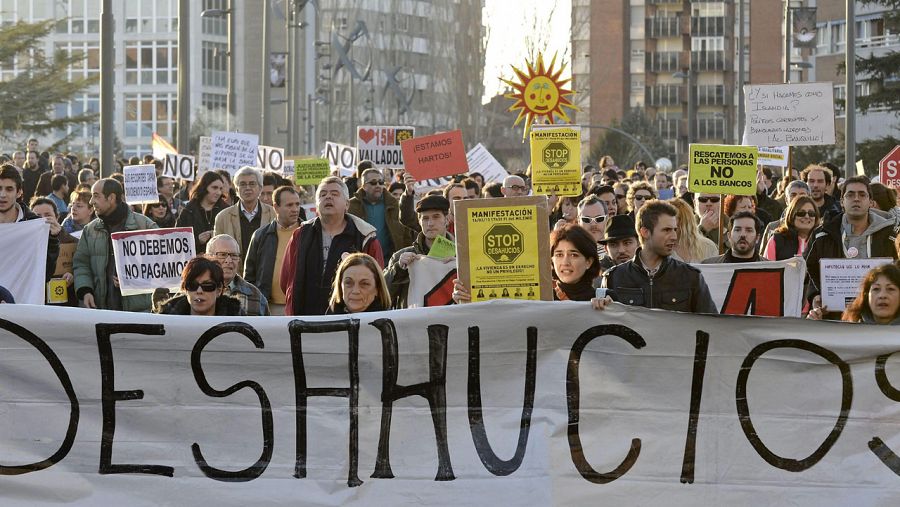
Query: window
pixel 84 104
pixel 838 37
pixel 146 113
pixel 153 62
pixel 707 43
pixel 211 25
pixel 214 64
pixel 89 64
pixel 148 16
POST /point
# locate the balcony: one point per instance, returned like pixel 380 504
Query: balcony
pixel 664 26
pixel 711 95
pixel 664 2
pixel 668 128
pixel 664 95
pixel 664 61
pixel 709 60
pixel 711 129
pixel 708 26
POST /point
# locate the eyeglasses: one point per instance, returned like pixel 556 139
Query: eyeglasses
pixel 520 188
pixel 192 286
pixel 642 197
pixel 224 256
pixel 375 183
pixel 597 220
pixel 705 200
pixel 804 214
pixel 250 184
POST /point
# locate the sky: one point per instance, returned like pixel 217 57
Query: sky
pixel 510 33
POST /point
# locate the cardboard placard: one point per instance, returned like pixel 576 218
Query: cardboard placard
pixel 381 145
pixel 840 279
pixel 140 184
pixel 269 158
pixel 435 155
pixel 341 158
pixel 481 161
pixel 179 166
pixel 503 248
pixel 310 171
pixel 722 169
pixel 152 259
pixel 64 261
pixel 556 159
pixel 203 154
pixel 773 155
pixel 233 150
pixel 794 114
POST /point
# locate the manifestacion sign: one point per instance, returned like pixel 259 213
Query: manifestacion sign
pixel 503 248
pixel 722 169
pixel 556 159
pixel 381 145
pixel 498 403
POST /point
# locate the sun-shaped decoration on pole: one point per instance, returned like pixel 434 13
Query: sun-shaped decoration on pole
pixel 540 93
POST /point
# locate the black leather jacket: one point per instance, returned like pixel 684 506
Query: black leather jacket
pixel 676 286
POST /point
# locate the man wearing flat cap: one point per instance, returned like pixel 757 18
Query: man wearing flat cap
pixel 432 212
pixel 621 241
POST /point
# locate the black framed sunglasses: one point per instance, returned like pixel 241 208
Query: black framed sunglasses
pixel 208 286
pixel 804 214
pixel 705 200
pixel 643 197
pixel 377 183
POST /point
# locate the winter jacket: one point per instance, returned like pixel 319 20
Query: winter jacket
pixel 675 286
pixel 827 243
pixel 193 215
pixel 225 306
pixel 306 284
pixel 92 255
pixel 253 302
pixel 397 277
pixel 259 265
pixel 401 237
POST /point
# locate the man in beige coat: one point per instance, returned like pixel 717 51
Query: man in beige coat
pixel 247 215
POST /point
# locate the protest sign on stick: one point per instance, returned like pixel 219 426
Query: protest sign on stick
pixel 503 248
pixel 840 279
pixel 140 184
pixel 310 171
pixel 722 169
pixel 381 145
pixel 792 114
pixel 341 158
pixel 435 155
pixel 203 154
pixel 152 259
pixel 481 161
pixel 179 166
pixel 269 158
pixel 556 159
pixel 774 156
pixel 233 150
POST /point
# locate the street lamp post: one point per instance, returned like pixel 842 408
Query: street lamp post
pixel 229 13
pixel 107 96
pixel 184 76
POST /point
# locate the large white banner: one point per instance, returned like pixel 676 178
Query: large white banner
pixel 497 403
pixel 23 260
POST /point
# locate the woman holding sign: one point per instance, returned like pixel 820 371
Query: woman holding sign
pixel 573 253
pixel 202 284
pixel 359 286
pixel 200 213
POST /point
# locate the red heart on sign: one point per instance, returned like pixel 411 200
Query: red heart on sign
pixel 367 135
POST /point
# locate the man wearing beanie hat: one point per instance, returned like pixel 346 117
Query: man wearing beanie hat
pixel 432 212
pixel 621 240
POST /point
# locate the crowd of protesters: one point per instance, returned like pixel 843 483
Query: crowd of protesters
pixel 631 236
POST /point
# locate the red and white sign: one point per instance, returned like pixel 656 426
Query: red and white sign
pixel 889 168
pixel 435 155
pixel 152 259
pixel 381 145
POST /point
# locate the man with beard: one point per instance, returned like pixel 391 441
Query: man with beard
pixel 819 178
pixel 742 236
pixel 653 279
pixel 621 241
pixel 96 283
pixel 317 246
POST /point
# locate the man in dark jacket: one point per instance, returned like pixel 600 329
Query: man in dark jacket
pixel 653 279
pixel 382 211
pixel 819 178
pixel 742 236
pixel 433 212
pixel 268 245
pixel 857 233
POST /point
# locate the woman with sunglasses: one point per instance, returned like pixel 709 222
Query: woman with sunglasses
pixel 202 284
pixel 359 286
pixel 160 213
pixel 790 238
pixel 691 246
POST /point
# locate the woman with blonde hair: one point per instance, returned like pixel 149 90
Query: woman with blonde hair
pixel 691 246
pixel 359 286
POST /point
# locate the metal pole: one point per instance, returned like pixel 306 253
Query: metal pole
pixel 266 80
pixel 850 83
pixel 184 77
pixel 787 41
pixel 692 127
pixel 309 124
pixel 309 69
pixel 291 81
pixel 740 122
pixel 231 70
pixel 107 82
